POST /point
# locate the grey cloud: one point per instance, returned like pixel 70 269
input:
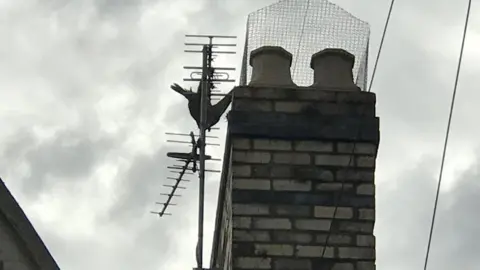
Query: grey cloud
pixel 414 86
pixel 105 9
pixel 146 240
pixel 404 214
pixel 84 61
pixel 178 113
pixel 148 247
pixel 224 20
pixel 152 240
pixel 414 82
pixel 85 57
pixel 108 6
pixel 139 187
pixel 69 155
pixel 17 146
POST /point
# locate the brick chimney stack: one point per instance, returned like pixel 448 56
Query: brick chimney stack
pixel 290 166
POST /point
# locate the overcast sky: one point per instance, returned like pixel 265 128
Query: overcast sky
pixel 85 104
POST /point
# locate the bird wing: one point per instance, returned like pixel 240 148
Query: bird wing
pixel 177 88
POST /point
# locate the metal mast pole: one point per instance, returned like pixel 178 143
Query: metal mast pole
pixel 202 143
pixel 207 80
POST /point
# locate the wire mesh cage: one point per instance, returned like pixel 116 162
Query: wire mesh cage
pixel 304 27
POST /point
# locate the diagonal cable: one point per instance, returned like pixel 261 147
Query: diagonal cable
pixel 447 134
pixel 302 31
pixel 381 45
pixel 350 162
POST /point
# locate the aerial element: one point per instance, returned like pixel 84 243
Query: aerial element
pixel 193 156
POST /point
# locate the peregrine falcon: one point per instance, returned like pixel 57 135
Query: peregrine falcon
pixel 214 112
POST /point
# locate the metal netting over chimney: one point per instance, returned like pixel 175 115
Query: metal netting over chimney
pixel 304 28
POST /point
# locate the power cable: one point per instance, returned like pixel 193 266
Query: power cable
pixel 350 162
pixel 302 31
pixel 447 134
pixel 381 46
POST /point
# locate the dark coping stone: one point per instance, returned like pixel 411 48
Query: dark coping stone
pixel 302 127
pixel 302 198
pixel 292 264
pixel 313 173
pixel 323 263
pixel 243 249
pixel 278 197
pixel 357 201
pixel 347 192
pixel 352 227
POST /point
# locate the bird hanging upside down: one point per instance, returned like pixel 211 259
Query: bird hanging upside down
pixel 214 112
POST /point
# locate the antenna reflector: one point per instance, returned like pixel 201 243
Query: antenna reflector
pixel 186 156
pixel 166 203
pixel 172 186
pixel 184 134
pixel 176 179
pixel 176 172
pixel 170 195
pixel 213 45
pixel 210 36
pixel 215 68
pixel 174 141
pixel 160 214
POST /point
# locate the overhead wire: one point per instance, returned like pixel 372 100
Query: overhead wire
pixel 369 90
pixel 447 135
pixel 350 163
pixel 302 31
pixel 381 46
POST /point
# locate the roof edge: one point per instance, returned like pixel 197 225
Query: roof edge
pixel 221 199
pixel 24 230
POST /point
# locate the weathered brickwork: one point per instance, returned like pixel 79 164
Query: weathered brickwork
pixel 222 253
pixel 298 100
pixel 302 201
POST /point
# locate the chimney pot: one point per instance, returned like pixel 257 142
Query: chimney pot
pixel 332 68
pixel 271 67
